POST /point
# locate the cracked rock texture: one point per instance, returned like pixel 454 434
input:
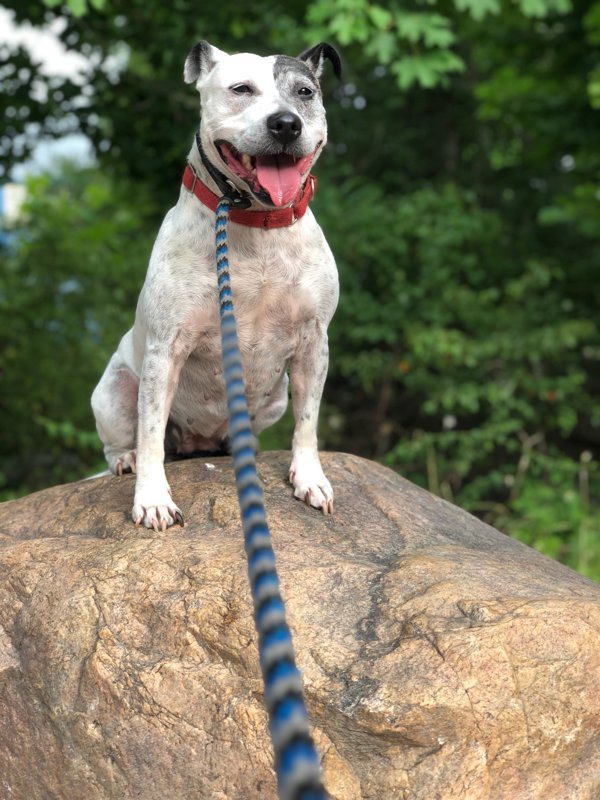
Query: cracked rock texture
pixel 441 659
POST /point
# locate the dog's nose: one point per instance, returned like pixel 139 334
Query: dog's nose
pixel 284 126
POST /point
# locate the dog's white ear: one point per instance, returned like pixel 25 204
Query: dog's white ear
pixel 316 56
pixel 201 59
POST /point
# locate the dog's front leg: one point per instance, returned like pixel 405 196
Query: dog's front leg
pixel 308 370
pixel 153 505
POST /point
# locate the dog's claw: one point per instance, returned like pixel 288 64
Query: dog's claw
pixel 161 521
pixel 124 463
pixel 311 485
pixel 327 507
pixel 158 517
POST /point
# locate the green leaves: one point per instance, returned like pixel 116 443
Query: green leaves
pixel 593 87
pixel 478 9
pixel 416 44
pixel 427 70
pixel 77 7
pixel 466 347
pixel 459 193
pixel 68 288
pixel 544 8
pixel 431 29
pixel 551 509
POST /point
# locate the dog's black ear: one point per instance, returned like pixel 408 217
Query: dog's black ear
pixel 201 59
pixel 316 56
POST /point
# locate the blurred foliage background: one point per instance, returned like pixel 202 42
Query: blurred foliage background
pixel 460 193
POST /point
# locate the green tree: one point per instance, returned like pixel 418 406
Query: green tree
pixel 460 195
pixel 69 282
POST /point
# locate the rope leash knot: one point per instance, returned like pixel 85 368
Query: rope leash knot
pixel 296 761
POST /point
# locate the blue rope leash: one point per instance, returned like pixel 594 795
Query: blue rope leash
pixel 296 761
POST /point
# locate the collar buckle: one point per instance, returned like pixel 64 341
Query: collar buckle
pixel 195 176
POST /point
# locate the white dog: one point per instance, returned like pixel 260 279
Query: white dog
pixel 263 127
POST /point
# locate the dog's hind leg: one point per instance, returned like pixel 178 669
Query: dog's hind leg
pixel 114 403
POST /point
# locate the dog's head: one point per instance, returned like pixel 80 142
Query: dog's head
pixel 263 121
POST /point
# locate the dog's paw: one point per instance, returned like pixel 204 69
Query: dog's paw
pixel 158 515
pixel 123 463
pixel 310 483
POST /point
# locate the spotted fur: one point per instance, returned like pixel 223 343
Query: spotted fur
pixel 164 385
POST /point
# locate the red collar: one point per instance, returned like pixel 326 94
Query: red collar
pixel 280 218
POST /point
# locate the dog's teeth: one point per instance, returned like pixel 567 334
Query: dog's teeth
pixel 247 161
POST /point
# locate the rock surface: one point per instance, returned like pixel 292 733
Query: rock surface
pixel 441 659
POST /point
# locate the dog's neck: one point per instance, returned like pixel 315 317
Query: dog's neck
pixel 201 171
pixel 197 162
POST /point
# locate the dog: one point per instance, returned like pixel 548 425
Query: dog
pixel 162 394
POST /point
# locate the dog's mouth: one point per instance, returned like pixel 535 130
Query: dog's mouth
pixel 275 179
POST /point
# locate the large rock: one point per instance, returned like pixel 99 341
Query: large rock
pixel 441 659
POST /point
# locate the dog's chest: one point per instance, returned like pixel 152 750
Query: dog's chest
pixel 273 311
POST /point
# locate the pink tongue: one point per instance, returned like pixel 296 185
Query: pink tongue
pixel 280 176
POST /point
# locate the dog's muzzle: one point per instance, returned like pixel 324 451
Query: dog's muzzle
pixel 277 178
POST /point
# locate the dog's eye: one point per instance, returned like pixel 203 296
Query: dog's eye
pixel 242 88
pixel 305 92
